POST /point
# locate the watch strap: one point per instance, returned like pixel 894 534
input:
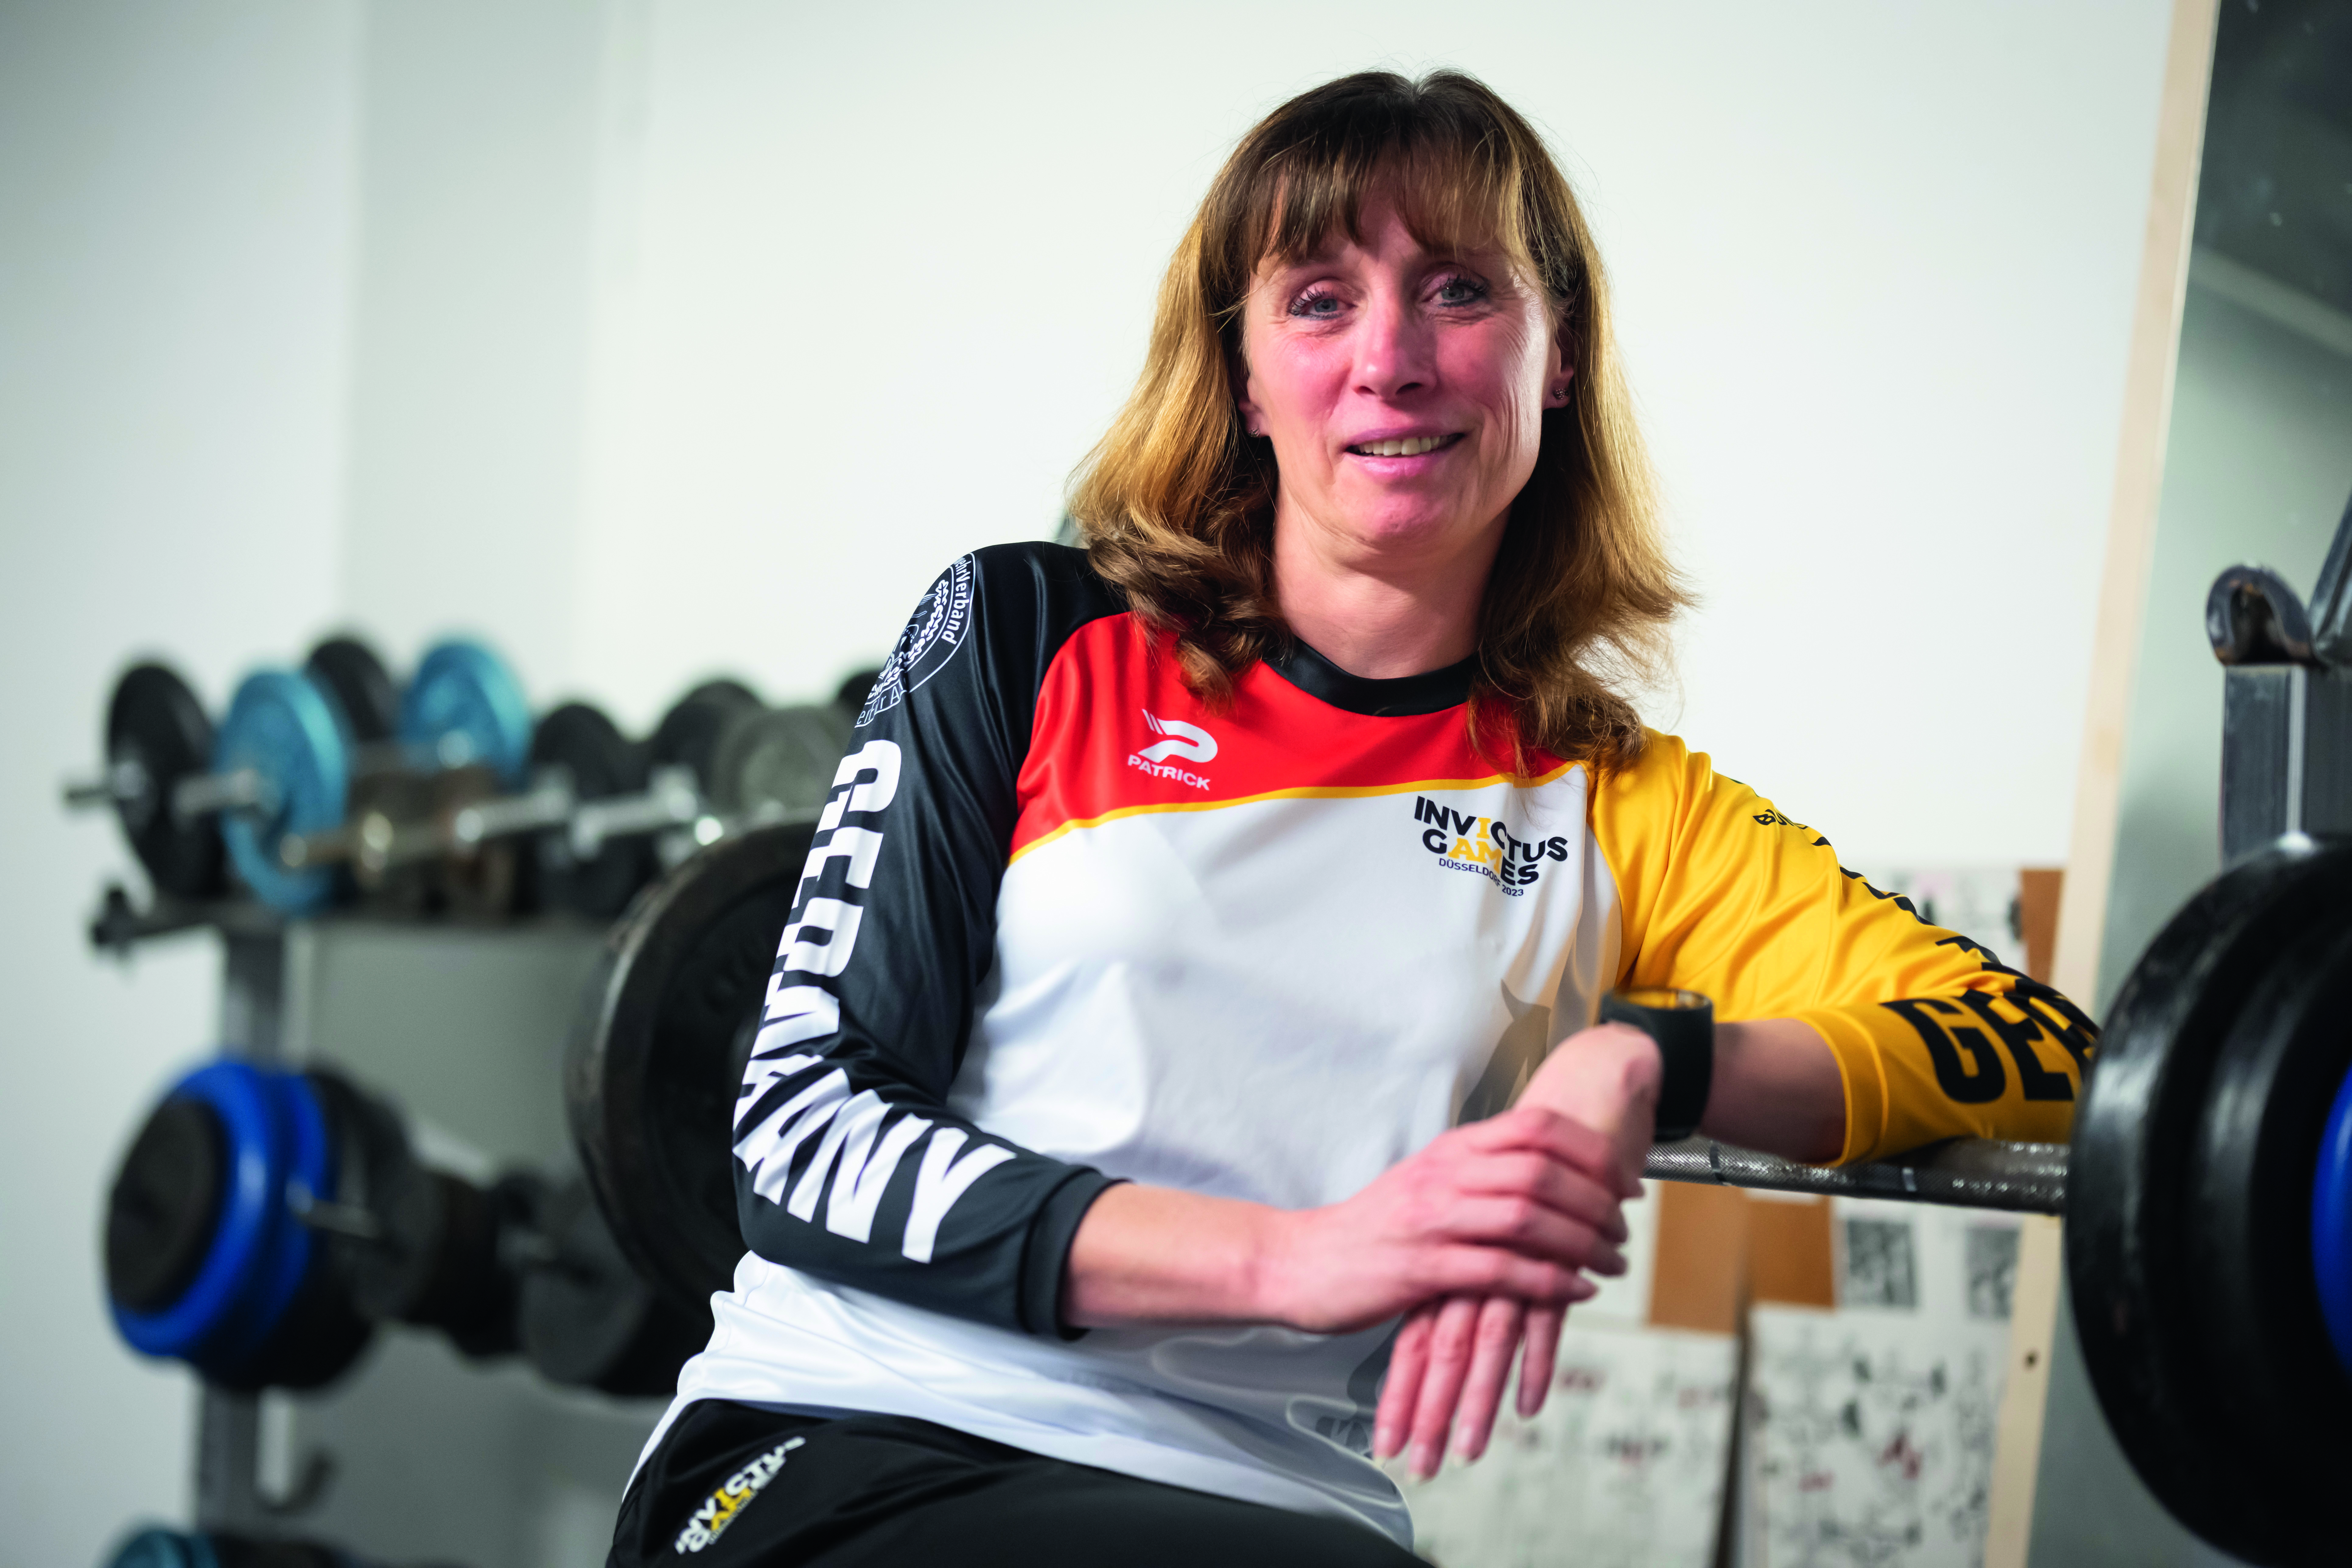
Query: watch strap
pixel 1683 1024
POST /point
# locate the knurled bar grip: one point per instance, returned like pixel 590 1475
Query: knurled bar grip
pixel 1970 1172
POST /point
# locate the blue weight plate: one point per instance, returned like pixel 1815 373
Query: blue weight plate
pixel 239 1268
pixel 282 726
pixel 464 706
pixel 159 1547
pixel 2331 1225
pixel 308 1162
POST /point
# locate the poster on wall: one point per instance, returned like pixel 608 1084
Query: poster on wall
pixel 1623 1467
pixel 1870 1429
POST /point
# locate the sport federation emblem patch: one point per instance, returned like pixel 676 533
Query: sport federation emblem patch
pixel 938 628
pixel 721 1508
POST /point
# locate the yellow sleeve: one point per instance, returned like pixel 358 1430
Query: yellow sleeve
pixel 1721 894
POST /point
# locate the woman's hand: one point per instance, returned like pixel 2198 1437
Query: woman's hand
pixel 1451 1357
pixel 1518 1205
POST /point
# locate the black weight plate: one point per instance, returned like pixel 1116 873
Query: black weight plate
pixel 165 1205
pixel 850 698
pixel 156 732
pixel 579 738
pixel 2127 1255
pixel 650 1080
pixel 724 689
pixel 589 1319
pixel 362 687
pixel 2250 1246
pixel 780 760
pixel 689 734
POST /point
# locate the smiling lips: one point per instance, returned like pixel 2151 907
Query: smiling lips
pixel 1404 446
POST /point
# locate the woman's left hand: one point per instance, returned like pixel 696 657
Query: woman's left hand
pixel 1453 1355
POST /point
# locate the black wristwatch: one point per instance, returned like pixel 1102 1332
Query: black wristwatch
pixel 1683 1023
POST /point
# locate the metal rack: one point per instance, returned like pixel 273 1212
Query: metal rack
pixel 417 1454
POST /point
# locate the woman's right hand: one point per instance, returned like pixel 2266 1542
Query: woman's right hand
pixel 1518 1205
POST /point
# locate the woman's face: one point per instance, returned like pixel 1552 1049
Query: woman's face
pixel 1404 391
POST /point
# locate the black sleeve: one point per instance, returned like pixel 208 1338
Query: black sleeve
pixel 848 1164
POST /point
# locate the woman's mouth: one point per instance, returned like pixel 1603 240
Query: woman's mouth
pixel 1404 446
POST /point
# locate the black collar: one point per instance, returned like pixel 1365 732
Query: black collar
pixel 1432 692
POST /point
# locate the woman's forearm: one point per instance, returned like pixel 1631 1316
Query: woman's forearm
pixel 1156 1255
pixel 1777 1089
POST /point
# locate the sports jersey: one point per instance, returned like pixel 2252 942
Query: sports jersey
pixel 1063 924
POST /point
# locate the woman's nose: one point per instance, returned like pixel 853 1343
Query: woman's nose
pixel 1394 355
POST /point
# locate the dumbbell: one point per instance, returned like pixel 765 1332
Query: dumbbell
pixel 464 735
pixel 282 764
pixel 594 814
pixel 160 773
pixel 265 1220
pixel 160 1548
pixel 606 814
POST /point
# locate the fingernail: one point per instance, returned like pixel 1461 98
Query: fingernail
pixel 1424 1460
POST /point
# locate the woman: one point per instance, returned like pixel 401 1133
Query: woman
pixel 1192 907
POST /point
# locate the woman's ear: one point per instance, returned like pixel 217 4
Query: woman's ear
pixel 1559 368
pixel 1237 374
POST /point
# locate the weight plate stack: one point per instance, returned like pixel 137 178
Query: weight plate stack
pixel 689 734
pixel 204 1262
pixel 600 763
pixel 2249 1227
pixel 592 1320
pixel 778 762
pixel 2133 1191
pixel 156 735
pixel 653 1071
pixel 348 671
pixel 464 705
pixel 284 728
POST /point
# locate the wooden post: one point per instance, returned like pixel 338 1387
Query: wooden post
pixel 2098 783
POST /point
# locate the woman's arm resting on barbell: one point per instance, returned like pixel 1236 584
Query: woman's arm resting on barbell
pixel 1520 1205
pixel 1777 1089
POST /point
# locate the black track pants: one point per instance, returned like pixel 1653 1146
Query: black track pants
pixel 736 1487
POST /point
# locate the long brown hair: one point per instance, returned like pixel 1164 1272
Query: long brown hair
pixel 1176 503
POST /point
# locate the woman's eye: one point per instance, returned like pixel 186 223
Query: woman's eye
pixel 1460 292
pixel 1324 306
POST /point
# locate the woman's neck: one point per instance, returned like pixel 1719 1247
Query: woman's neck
pixel 1381 613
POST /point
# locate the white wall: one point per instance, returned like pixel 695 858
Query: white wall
pixel 649 338
pixel 891 266
pixel 174 267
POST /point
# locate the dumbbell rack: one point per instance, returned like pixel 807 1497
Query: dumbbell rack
pixel 417 1454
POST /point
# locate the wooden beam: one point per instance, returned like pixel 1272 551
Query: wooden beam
pixel 2098 781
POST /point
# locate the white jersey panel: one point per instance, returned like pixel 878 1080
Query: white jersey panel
pixel 1181 997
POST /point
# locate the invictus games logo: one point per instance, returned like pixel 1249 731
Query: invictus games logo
pixel 1179 740
pixel 1482 844
pixel 936 630
pixel 721 1508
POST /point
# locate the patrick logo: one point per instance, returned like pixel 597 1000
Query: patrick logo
pixel 1178 741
